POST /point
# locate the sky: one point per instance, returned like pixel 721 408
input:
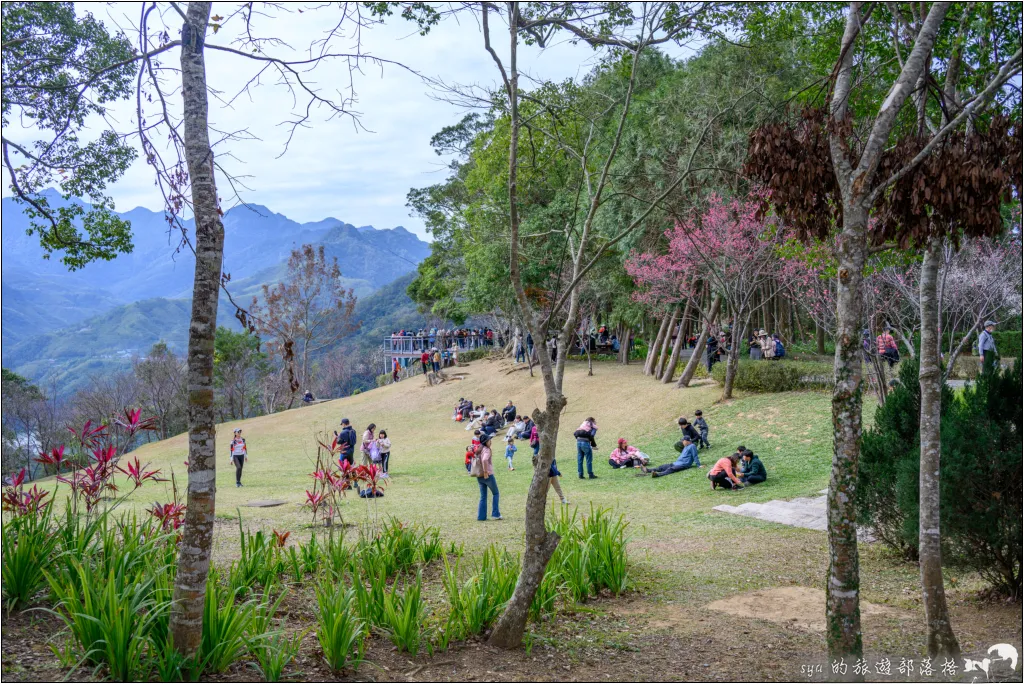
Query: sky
pixel 359 173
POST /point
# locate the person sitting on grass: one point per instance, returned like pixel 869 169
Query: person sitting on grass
pixel 689 432
pixel 751 469
pixel 688 458
pixel 516 429
pixel 723 473
pixel 626 456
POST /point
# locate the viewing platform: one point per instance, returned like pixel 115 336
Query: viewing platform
pixel 407 346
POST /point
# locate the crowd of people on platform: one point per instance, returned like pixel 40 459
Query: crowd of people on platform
pixel 463 338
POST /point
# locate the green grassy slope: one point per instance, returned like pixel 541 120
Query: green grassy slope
pixel 430 484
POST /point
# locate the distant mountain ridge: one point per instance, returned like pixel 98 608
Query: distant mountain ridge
pixel 44 296
pixel 69 325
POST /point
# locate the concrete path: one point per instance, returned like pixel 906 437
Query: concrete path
pixel 806 512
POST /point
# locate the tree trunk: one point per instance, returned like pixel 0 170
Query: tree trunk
pixel 842 605
pixel 666 376
pixel 186 623
pixel 941 640
pixel 732 364
pixel 702 340
pixel 659 366
pixel 911 352
pixel 540 543
pixel 653 351
pixel 819 338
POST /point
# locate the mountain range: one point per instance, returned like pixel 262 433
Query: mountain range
pixel 70 324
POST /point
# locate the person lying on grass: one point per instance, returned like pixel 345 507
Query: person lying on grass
pixel 626 456
pixel 688 458
pixel 751 469
pixel 723 473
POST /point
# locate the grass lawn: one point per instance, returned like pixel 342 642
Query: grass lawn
pixel 429 483
pixel 684 554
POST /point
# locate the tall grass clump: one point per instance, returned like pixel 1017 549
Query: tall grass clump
pixel 273 651
pixel 404 615
pixel 340 631
pixel 476 603
pixel 28 552
pixel 592 553
pixel 111 617
pixel 227 625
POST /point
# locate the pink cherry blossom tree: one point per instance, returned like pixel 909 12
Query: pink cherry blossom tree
pixel 726 246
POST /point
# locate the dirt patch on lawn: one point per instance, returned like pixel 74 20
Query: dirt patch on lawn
pixel 794 606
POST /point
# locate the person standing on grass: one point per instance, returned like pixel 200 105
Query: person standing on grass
pixel 346 442
pixel 367 442
pixel 487 482
pixel 987 353
pixel 384 447
pixel 239 455
pixel 510 451
pixel 424 360
pixel 586 442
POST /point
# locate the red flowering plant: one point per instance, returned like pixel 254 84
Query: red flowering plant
pixel 332 477
pixel 20 501
pixel 94 463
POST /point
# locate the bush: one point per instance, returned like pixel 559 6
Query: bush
pixel 477 602
pixel 777 376
pixel 887 473
pixel 981 481
pixel 474 354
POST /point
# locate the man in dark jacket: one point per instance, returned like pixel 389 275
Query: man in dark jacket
pixel 753 469
pixel 527 428
pixel 347 440
pixel 509 412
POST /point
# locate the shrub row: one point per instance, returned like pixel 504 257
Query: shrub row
pixel 777 376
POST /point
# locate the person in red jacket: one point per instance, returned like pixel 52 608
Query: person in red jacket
pixel 424 360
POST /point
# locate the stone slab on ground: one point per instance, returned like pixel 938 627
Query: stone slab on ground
pixel 266 503
pixel 807 512
pixel 801 607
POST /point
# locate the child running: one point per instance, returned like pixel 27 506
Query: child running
pixel 510 451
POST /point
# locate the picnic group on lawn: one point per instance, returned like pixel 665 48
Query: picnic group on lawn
pixel 735 471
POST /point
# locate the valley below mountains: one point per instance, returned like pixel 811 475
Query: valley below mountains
pixel 61 327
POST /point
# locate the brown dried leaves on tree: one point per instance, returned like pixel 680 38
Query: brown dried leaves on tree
pixel 960 185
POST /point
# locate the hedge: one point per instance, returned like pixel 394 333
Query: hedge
pixel 777 376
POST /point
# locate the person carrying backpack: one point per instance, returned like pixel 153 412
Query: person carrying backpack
pixel 239 455
pixel 780 350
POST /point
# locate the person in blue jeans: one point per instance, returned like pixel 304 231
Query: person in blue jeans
pixel 585 445
pixel 688 458
pixel 487 482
